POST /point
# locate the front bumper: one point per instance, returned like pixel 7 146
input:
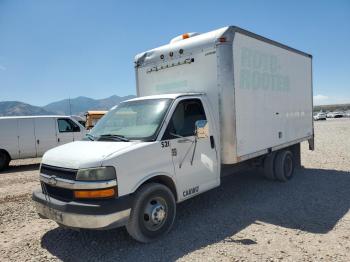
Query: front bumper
pixel 99 214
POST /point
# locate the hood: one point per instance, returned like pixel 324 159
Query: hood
pixel 83 154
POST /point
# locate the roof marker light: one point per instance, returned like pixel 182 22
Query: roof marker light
pixel 185 36
pixel 222 39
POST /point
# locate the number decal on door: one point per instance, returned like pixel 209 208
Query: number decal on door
pixel 165 143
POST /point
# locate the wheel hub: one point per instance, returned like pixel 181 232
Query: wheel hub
pixel 155 213
pixel 158 214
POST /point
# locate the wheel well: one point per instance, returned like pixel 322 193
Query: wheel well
pixel 164 180
pixel 294 149
pixel 6 153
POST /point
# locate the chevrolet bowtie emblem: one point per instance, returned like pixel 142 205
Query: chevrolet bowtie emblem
pixel 52 181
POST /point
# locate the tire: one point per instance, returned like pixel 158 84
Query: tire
pixel 152 214
pixel 284 165
pixel 4 160
pixel 269 170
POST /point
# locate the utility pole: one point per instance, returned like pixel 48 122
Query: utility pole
pixel 70 107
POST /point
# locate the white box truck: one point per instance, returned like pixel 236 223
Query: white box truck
pixel 31 136
pixel 207 104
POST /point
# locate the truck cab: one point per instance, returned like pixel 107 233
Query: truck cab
pixel 144 141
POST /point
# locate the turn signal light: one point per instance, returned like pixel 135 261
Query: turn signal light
pixel 101 193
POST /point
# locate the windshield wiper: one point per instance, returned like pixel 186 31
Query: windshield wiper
pixel 91 137
pixel 113 136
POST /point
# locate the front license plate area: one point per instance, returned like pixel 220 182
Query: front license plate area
pixel 53 214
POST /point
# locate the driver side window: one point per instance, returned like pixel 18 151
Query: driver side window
pixel 182 123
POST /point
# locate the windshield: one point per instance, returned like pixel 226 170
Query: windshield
pixel 134 120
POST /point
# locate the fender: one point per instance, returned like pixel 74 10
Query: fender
pixel 4 150
pixel 153 175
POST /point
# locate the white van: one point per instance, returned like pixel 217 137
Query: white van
pixel 31 136
pixel 207 104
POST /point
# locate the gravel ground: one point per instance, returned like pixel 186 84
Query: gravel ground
pixel 246 219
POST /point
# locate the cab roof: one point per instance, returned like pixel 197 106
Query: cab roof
pixel 167 96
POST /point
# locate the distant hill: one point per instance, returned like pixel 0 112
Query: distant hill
pixel 76 106
pixel 15 108
pixel 331 108
pixel 81 104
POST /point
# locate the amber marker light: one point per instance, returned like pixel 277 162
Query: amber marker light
pixel 100 193
pixel 222 39
pixel 185 36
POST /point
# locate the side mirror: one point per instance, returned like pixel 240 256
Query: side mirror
pixel 202 129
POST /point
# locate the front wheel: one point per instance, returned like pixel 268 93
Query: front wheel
pixel 152 214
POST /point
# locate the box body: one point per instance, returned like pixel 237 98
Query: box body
pixel 260 91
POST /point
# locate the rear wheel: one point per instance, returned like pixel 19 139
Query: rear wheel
pixel 4 160
pixel 152 214
pixel 269 170
pixel 284 165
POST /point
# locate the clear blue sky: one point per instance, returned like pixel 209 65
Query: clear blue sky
pixel 51 50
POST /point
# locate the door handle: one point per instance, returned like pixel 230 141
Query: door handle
pixel 184 140
pixel 58 140
pixel 212 142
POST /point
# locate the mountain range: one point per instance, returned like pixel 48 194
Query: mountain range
pixel 75 106
pixel 81 104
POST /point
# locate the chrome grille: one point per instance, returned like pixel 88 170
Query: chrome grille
pixel 59 172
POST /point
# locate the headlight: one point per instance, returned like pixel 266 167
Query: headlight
pixel 95 174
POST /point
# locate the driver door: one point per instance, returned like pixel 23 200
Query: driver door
pixel 195 160
pixel 65 131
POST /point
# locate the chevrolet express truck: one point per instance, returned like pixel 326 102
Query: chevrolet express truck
pixel 207 104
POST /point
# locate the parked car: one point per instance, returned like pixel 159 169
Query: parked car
pixel 320 116
pixel 338 114
pixel 31 136
pixel 335 115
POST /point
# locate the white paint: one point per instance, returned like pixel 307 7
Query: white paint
pixel 264 111
pixel 32 136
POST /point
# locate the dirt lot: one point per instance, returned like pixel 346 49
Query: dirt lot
pixel 246 219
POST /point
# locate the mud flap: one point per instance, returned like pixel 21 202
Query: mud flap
pixel 311 143
pixel 296 155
